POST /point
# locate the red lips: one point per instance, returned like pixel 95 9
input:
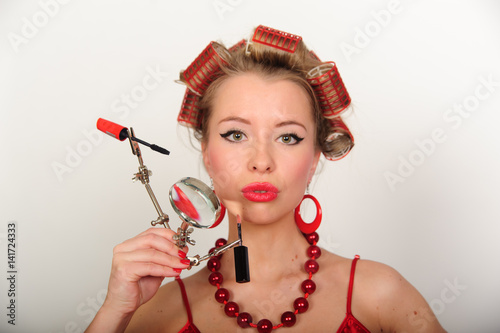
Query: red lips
pixel 260 192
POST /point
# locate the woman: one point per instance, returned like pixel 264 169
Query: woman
pixel 264 112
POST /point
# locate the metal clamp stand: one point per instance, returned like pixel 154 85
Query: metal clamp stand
pixel 143 176
pixel 183 235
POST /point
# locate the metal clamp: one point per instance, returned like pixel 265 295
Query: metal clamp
pixel 195 261
pixel 143 175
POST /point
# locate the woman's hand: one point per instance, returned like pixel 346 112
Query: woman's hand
pixel 139 266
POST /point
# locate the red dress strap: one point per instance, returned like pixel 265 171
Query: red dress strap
pixel 350 323
pixel 189 327
pixel 185 298
pixel 351 283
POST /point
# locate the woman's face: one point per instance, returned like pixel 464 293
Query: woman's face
pixel 260 150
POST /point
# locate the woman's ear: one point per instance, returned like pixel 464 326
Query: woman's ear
pixel 314 165
pixel 206 160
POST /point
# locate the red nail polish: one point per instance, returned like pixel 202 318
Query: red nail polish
pixel 182 254
pixel 185 261
pixel 177 270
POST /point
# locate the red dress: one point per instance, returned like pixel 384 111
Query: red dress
pixel 349 325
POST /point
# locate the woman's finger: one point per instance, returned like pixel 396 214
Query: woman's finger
pixel 150 256
pixel 154 238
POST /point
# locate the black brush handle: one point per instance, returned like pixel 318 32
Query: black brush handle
pixel 241 264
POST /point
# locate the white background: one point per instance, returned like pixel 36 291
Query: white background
pixel 69 189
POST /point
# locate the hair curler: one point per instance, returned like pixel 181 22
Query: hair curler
pixel 276 38
pixel 329 88
pixel 205 68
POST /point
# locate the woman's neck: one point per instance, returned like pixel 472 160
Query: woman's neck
pixel 275 250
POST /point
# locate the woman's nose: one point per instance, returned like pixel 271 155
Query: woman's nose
pixel 261 159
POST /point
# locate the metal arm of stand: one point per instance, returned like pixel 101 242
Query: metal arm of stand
pixel 183 232
pixel 143 175
pixel 195 261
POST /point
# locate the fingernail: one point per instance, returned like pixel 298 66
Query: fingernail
pixel 182 254
pixel 185 261
pixel 177 270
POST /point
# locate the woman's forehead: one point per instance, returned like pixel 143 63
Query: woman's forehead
pixel 251 96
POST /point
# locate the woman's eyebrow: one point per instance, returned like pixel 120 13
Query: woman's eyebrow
pixel 246 121
pixel 291 122
pixel 235 118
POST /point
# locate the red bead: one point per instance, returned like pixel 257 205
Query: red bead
pixel 215 278
pixel 221 295
pixel 213 264
pixel 264 326
pixel 314 252
pixel 220 242
pixel 288 319
pixel 308 286
pixel 244 320
pixel 301 304
pixel 311 266
pixel 312 238
pixel 231 309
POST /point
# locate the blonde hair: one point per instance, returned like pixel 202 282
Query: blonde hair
pixel 272 63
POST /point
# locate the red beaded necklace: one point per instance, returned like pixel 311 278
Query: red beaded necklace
pixel 288 318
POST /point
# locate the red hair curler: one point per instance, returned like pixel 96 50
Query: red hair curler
pixel 340 130
pixel 276 38
pixel 238 46
pixel 116 131
pixel 190 111
pixel 204 69
pixel 325 80
pixel 329 89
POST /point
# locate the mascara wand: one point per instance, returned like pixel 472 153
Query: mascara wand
pixel 152 146
pixel 121 133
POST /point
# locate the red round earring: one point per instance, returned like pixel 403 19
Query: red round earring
pixel 222 209
pixel 221 216
pixel 308 228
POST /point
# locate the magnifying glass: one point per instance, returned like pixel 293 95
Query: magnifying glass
pixel 196 203
pixel 198 206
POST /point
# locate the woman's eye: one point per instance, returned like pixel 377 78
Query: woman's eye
pixel 290 139
pixel 233 136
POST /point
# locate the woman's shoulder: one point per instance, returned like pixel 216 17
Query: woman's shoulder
pixel 365 271
pixel 382 297
pixel 399 305
pixel 375 281
pixel 386 277
pixel 384 284
pixel 371 280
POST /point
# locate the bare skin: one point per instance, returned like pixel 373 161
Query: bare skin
pixel 382 299
pixel 260 116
